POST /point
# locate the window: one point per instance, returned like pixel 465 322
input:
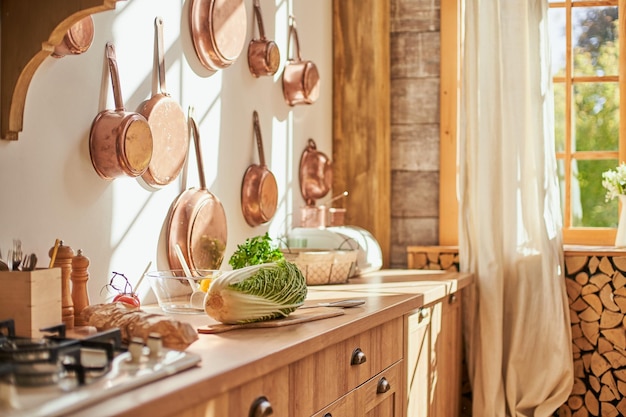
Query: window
pixel 584 38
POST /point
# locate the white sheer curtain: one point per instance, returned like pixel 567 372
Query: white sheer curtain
pixel 518 328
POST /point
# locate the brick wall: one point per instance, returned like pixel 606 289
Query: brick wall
pixel 415 50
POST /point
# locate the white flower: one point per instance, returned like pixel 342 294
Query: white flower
pixel 614 180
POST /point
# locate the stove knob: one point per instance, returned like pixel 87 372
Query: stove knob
pixel 135 348
pixel 155 345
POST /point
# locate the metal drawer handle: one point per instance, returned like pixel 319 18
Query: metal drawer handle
pixel 358 357
pixel 423 312
pixel 261 407
pixel 452 299
pixel 328 415
pixel 383 386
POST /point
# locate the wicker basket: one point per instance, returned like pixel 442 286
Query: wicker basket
pixel 323 267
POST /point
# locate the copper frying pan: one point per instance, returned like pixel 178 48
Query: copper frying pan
pixel 167 122
pixel 197 222
pixel 259 192
pixel 218 31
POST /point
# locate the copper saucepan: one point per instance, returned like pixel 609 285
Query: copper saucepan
pixel 120 142
pixel 218 31
pixel 316 174
pixel 259 191
pixel 77 39
pixel 263 54
pixel 167 121
pixel 301 80
pixel 197 222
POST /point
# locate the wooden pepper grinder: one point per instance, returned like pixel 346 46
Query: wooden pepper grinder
pixel 79 277
pixel 63 260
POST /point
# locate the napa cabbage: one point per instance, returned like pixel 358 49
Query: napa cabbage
pixel 255 293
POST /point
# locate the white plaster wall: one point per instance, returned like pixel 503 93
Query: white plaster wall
pixel 49 189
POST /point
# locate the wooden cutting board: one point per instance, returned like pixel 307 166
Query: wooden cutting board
pixel 298 316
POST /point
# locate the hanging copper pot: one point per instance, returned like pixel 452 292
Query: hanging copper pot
pixel 77 39
pixel 218 31
pixel 120 142
pixel 316 174
pixel 301 80
pixel 263 54
pixel 167 121
pixel 259 191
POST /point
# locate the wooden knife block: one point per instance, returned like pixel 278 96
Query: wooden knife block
pixel 32 299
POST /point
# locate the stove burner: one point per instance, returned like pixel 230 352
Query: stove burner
pixel 51 359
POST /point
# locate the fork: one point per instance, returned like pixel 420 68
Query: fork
pixel 15 257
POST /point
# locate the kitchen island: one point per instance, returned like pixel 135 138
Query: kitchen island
pixel 399 350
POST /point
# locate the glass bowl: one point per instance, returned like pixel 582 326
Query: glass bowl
pixel 181 294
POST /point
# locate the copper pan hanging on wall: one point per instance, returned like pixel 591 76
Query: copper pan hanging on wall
pixel 259 191
pixel 167 121
pixel 77 39
pixel 263 54
pixel 316 174
pixel 197 222
pixel 120 142
pixel 218 31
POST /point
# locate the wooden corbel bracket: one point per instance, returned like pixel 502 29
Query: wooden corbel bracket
pixel 30 31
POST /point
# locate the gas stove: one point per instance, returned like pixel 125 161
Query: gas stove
pixel 56 375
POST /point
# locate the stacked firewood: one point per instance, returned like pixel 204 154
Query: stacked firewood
pixel 596 289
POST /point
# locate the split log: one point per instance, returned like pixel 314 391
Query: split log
pixel 591 332
pixel 592 404
pixel 606 394
pixel 614 358
pixel 576 331
pixel 600 280
pixel 589 289
pixel 575 402
pixel 609 382
pixel 594 302
pixel 590 314
pixel 573 289
pixel 446 260
pixel 621 387
pixel 621 302
pixel 606 295
pixel 582 278
pixel 619 280
pixel 610 319
pixel 433 257
pixel 604 345
pixel 579 387
pixel 620 291
pixel 606 266
pixel 620 263
pixel 594 383
pixel 593 264
pixel 600 363
pixel 621 407
pixel 578 305
pixel 609 410
pixel 616 337
pixel 581 412
pixel 574 264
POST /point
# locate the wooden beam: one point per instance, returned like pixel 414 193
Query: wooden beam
pixel 30 31
pixel 361 115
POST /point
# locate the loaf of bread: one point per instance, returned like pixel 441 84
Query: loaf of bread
pixel 137 323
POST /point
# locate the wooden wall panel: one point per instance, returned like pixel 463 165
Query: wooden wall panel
pixel 361 114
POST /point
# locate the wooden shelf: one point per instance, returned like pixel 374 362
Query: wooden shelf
pixel 30 31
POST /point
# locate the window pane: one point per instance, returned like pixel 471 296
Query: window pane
pixel 556 20
pixel 559 117
pixel 595 41
pixel 596 113
pixel 588 205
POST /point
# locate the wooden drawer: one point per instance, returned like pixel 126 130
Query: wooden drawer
pixel 380 396
pixel 332 372
pixel 271 390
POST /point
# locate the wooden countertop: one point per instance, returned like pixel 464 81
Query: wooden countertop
pixel 233 358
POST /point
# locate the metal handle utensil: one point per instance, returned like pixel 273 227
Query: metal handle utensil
pixel 353 302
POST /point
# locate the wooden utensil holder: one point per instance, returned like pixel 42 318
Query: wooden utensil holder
pixel 32 299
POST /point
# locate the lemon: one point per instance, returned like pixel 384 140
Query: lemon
pixel 204 284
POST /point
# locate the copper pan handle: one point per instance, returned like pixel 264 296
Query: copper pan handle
pixel 196 141
pixel 259 19
pixel 115 78
pixel 294 33
pixel 158 26
pixel 259 140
